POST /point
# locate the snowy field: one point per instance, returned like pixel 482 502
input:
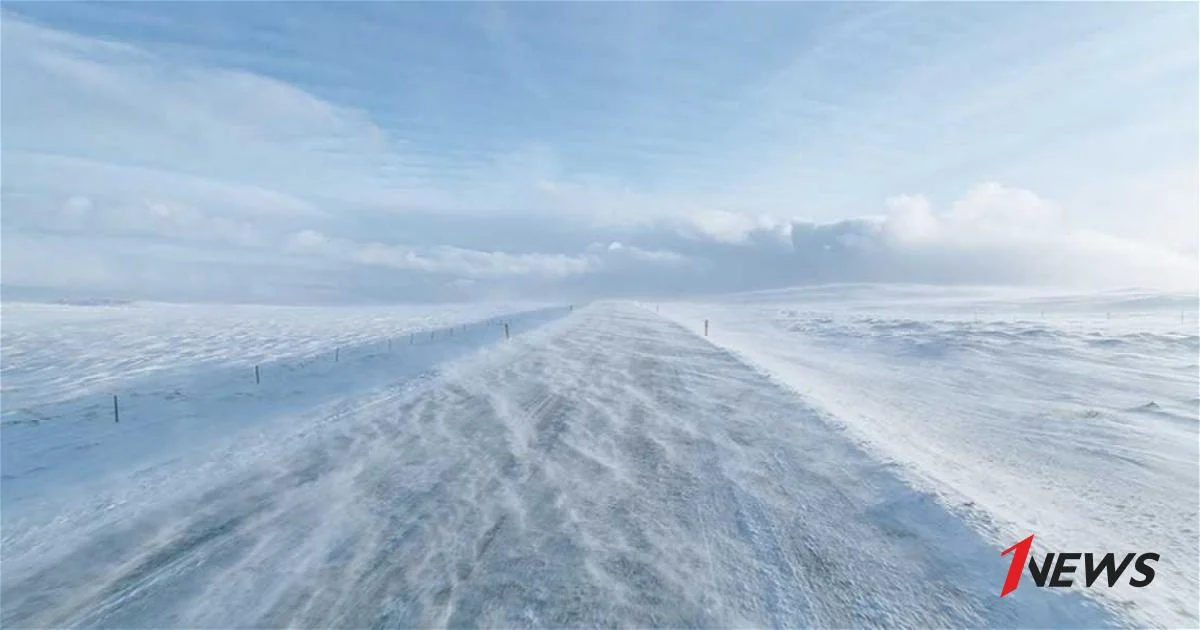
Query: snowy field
pixel 185 375
pixel 1073 417
pixel 833 457
pixel 605 469
pixel 57 351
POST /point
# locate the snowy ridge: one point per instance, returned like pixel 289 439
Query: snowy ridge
pixel 608 468
pixel 1026 414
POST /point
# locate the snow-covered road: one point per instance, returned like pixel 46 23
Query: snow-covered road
pixel 607 469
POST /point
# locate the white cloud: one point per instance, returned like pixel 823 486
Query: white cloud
pixel 1002 211
pixel 617 249
pixel 438 259
pixel 910 219
pixel 475 264
pixel 998 233
pixel 730 227
pixel 988 213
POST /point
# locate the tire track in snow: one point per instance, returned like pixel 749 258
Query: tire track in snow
pixel 610 469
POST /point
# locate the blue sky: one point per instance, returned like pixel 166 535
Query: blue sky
pixel 398 151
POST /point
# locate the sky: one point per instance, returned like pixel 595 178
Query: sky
pixel 383 152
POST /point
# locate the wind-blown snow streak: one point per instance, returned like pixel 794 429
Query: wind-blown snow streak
pixel 609 469
pixel 1073 417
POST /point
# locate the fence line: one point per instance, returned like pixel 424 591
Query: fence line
pixel 296 361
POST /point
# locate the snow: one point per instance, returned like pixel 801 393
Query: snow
pixel 58 351
pixel 184 377
pixel 604 468
pixel 1071 416
pixel 838 456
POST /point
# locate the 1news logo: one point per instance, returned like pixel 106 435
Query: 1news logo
pixel 1064 565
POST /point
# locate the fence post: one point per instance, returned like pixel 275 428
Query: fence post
pixel 506 330
pixel 337 354
pixel 116 410
pixel 256 381
pixel 706 328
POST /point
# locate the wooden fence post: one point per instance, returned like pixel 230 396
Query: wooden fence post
pixel 337 354
pixel 506 330
pixel 256 381
pixel 116 410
